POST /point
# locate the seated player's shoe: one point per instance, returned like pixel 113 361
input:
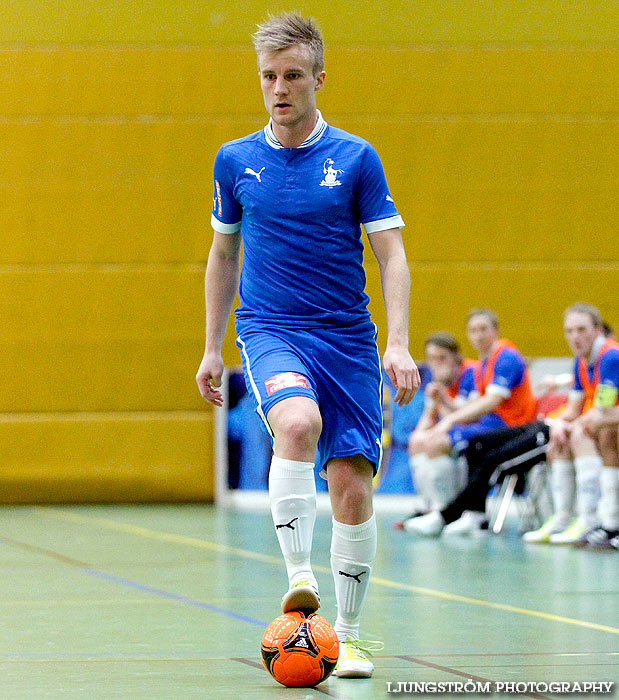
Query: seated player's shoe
pixel 401 524
pixel 429 525
pixel 472 523
pixel 302 595
pixel 614 542
pixel 597 538
pixel 552 526
pixel 353 660
pixel 571 534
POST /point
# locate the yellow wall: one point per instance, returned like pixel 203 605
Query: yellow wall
pixel 497 125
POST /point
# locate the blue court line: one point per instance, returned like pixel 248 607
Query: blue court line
pixel 170 596
pixel 131 584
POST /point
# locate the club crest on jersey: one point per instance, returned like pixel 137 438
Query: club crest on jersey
pixel 285 380
pixel 330 174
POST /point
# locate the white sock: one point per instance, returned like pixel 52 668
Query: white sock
pixel 353 549
pixel 442 480
pixel 563 487
pixel 292 491
pixel 608 510
pixel 418 464
pixel 588 472
pixel 462 472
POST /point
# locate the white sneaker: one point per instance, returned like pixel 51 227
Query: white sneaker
pixel 471 523
pixel 302 595
pixel 552 526
pixel 429 525
pixel 571 534
pixel 598 538
pixel 353 660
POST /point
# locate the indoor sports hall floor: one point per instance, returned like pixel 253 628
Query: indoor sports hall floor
pixel 170 602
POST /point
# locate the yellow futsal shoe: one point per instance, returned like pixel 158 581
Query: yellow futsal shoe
pixel 572 534
pixel 353 660
pixel 302 595
pixel 552 526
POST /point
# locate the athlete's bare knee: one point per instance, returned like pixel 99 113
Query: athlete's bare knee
pixel 296 423
pixel 608 445
pixel 580 443
pixel 437 447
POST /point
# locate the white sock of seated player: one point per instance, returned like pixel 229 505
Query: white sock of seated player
pixel 353 549
pixel 608 509
pixel 588 472
pixel 292 492
pixel 419 473
pixel 563 487
pixel 442 480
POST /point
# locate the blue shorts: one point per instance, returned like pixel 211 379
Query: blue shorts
pixel 460 435
pixel 339 368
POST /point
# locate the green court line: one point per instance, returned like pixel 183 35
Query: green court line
pixel 376 580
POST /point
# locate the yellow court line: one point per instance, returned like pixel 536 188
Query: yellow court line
pixel 162 536
pixel 489 604
pixel 376 580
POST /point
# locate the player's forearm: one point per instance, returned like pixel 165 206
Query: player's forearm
pixel 573 410
pixel 428 419
pixel 396 282
pixel 221 284
pixel 473 410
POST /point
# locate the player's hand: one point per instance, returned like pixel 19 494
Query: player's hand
pixel 433 391
pixel 403 372
pixel 559 434
pixel 209 376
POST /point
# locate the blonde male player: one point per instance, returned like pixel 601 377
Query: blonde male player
pixel 602 425
pixel 583 450
pixel 295 193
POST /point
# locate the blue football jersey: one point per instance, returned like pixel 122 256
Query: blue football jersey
pixel 299 211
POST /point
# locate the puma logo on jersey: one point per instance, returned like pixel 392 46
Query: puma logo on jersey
pixel 355 576
pixel 249 171
pixel 277 527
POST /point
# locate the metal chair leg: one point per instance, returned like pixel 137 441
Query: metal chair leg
pixel 505 499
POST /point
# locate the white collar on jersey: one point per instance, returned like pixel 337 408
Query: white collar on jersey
pixel 595 350
pixel 317 132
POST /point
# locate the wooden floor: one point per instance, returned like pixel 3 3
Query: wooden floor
pixel 170 602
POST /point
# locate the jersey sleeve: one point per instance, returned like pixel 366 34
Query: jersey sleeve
pixel 508 373
pixel 607 390
pixel 227 212
pixel 375 206
pixel 466 387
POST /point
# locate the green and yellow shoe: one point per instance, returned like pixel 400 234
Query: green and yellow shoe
pixel 353 660
pixel 302 595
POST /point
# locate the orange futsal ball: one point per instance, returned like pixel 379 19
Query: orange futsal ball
pixel 299 650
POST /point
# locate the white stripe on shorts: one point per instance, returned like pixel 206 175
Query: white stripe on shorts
pixel 380 392
pixel 254 387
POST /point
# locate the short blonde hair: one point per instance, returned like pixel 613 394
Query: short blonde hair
pixel 291 29
pixel 581 307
